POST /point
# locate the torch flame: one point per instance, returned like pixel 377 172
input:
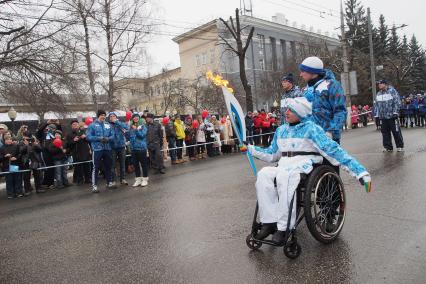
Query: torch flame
pixel 218 80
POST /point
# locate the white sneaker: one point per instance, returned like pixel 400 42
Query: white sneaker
pixel 387 150
pixel 95 189
pixel 144 181
pixel 138 182
pixel 400 149
pixel 111 185
pixel 124 182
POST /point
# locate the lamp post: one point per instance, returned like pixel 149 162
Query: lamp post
pixel 12 116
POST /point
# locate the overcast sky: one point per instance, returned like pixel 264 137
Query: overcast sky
pixel 183 15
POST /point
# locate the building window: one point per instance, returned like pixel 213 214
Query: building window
pixel 262 53
pixel 198 60
pixel 274 53
pixel 284 52
pixel 262 64
pixel 204 58
pixel 261 39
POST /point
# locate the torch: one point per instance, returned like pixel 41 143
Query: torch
pixel 236 114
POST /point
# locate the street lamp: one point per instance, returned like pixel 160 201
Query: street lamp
pixel 12 116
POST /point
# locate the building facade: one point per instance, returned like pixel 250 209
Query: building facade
pixel 276 49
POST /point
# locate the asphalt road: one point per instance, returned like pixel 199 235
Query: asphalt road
pixel 189 226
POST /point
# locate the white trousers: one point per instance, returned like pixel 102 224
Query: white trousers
pixel 274 203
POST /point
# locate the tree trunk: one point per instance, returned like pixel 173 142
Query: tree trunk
pixel 88 57
pixel 110 91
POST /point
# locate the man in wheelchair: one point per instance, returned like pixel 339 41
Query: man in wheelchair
pixel 297 145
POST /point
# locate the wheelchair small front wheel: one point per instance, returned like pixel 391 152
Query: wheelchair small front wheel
pixel 325 204
pixel 252 244
pixel 292 250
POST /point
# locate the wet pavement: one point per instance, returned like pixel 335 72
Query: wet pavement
pixel 189 226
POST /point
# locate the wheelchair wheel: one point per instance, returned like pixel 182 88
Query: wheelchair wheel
pixel 292 250
pixel 252 244
pixel 324 203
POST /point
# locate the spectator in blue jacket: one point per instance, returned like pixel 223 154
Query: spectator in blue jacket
pixel 388 104
pixel 138 144
pixel 100 134
pixel 290 91
pixel 326 95
pixel 118 146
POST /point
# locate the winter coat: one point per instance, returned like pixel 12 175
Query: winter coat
pixel 119 139
pixel 388 103
pixel 201 135
pixel 137 138
pixel 227 133
pixel 190 135
pixel 180 129
pixel 257 120
pixel 307 136
pixel 249 123
pixel 154 134
pixel 80 150
pixel 15 151
pixel 98 130
pixel 170 131
pixel 56 153
pixel 328 104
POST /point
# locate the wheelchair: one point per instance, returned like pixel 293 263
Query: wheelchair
pixel 320 200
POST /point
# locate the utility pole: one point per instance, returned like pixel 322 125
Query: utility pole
pixel 372 65
pixel 345 75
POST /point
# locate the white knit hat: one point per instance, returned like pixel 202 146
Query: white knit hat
pixel 312 65
pixel 300 106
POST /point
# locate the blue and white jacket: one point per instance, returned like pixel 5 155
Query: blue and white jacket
pixel 96 131
pixel 328 104
pixel 137 138
pixel 388 103
pixel 307 137
pixel 119 140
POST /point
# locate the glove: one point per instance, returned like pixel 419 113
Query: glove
pixel 243 148
pixel 366 182
pixel 395 115
pixel 104 140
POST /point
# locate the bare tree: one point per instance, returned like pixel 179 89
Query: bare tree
pixel 239 49
pixel 123 25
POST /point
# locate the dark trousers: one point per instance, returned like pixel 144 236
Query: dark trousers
pixel 179 143
pixel 190 148
pixel 49 174
pixel 140 159
pixel 14 184
pixel 200 148
pixel 256 138
pixel 26 176
pixel 391 126
pixel 103 158
pixel 172 145
pixel 82 173
pixel 250 136
pixel 61 178
pixel 120 156
pixel 156 157
pixel 209 146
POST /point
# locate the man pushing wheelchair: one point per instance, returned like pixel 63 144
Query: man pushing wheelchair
pixel 298 146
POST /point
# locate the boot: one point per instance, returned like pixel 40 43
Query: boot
pixel 278 237
pixel 144 181
pixel 138 181
pixel 266 230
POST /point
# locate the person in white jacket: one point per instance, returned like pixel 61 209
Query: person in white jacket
pixel 297 145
